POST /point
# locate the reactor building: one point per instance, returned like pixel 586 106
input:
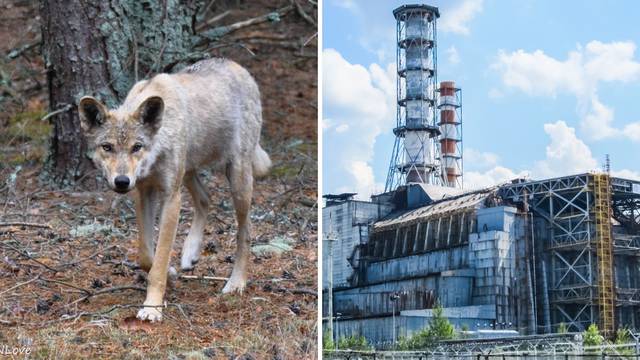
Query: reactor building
pixel 526 256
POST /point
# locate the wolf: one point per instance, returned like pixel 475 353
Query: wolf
pixel 168 128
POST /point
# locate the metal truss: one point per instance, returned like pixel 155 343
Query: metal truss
pixel 566 203
pixel 570 206
pixel 628 296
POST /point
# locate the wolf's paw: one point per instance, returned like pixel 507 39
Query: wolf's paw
pixel 187 263
pixel 234 284
pixel 172 273
pixel 153 314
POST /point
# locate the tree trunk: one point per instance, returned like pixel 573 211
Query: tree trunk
pixel 101 48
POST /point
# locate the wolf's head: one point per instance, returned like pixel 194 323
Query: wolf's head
pixel 120 141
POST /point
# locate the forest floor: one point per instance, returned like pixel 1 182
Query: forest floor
pixel 69 283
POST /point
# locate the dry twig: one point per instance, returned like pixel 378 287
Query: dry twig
pixel 25 224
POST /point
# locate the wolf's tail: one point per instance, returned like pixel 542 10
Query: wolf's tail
pixel 261 162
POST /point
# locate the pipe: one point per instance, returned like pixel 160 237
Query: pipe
pixel 532 319
pixel 545 306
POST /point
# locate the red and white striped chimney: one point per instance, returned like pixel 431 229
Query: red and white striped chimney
pixel 451 134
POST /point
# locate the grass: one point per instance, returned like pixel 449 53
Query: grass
pixel 28 135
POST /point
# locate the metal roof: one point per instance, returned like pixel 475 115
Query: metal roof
pixel 458 203
pixel 416 7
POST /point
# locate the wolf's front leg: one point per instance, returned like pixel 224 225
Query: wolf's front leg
pixel 146 200
pixel 157 280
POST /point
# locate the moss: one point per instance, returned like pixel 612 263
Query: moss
pixel 25 128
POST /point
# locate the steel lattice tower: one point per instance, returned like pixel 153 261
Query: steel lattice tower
pixel 416 156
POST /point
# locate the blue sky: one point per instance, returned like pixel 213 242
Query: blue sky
pixel 548 88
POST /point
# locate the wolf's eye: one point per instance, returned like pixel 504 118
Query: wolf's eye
pixel 137 147
pixel 107 147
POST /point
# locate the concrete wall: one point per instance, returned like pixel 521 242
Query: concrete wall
pixel 450 288
pixel 418 265
pixel 343 219
pixel 476 277
pixel 492 253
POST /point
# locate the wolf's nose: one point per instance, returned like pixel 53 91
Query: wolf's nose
pixel 121 182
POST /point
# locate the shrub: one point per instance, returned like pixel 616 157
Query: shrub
pixel 354 342
pixel 439 328
pixel 562 328
pixel 592 336
pixel 327 341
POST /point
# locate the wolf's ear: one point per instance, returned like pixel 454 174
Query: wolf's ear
pixel 150 112
pixel 92 113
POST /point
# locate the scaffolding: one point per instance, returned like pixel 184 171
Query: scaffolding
pixel 564 203
pixel 604 244
pixel 580 244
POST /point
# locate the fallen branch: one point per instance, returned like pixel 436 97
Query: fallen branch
pixel 26 254
pixel 107 291
pixel 213 20
pixel 20 284
pixel 303 14
pixel 90 293
pixel 220 31
pixel 87 258
pixel 65 108
pixel 196 277
pixel 21 50
pixel 86 291
pixel 305 291
pixel 25 224
pixel 129 264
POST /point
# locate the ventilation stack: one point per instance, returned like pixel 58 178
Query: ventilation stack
pixel 450 106
pixel 415 154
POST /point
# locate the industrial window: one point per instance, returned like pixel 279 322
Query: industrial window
pixel 399 241
pixel 431 236
pixel 419 244
pixel 455 228
pixel 409 240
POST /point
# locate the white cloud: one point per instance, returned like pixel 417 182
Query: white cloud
pixel 626 174
pixel 565 154
pixel 632 131
pixel 597 122
pixel 537 73
pixel 365 184
pixel 456 20
pixel 493 176
pixel 454 56
pixel 474 159
pixel 612 61
pixel 361 101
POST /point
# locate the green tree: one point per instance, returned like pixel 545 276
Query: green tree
pixel 592 336
pixel 623 336
pixel 439 329
pixel 327 341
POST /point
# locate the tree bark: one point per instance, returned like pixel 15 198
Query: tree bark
pixel 101 48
